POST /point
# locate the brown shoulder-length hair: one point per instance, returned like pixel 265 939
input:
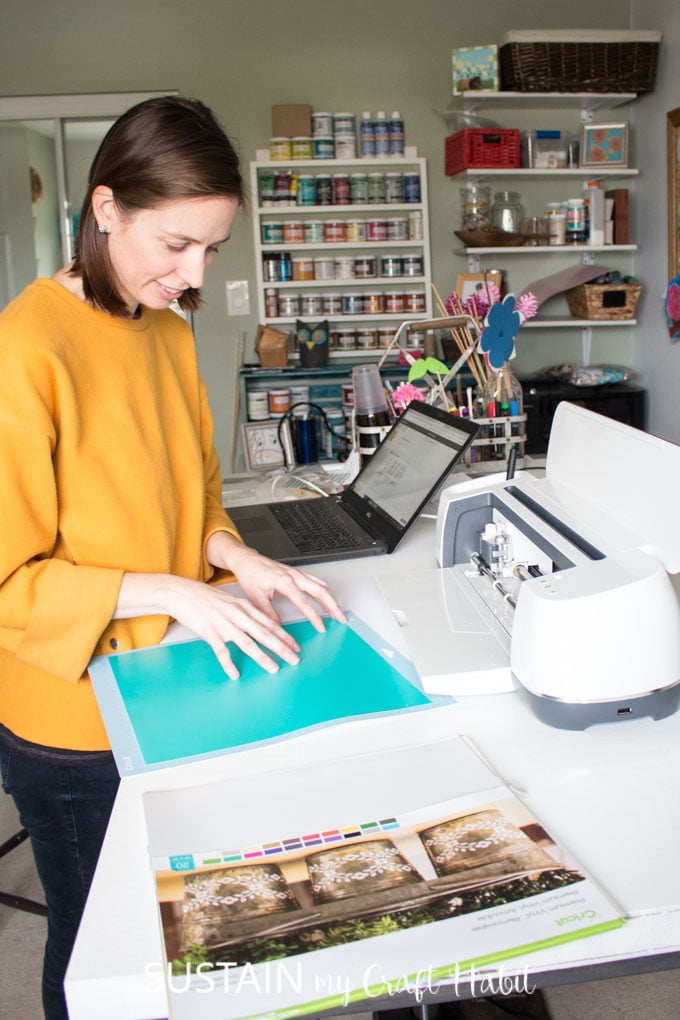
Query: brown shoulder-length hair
pixel 162 149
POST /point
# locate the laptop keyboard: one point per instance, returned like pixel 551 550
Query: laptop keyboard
pixel 313 527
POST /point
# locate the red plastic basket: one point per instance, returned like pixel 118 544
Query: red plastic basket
pixel 481 149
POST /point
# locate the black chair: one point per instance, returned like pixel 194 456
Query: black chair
pixel 10 899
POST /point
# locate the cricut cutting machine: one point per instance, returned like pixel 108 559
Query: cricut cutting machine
pixel 559 586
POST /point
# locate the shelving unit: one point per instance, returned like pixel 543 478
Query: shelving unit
pixel 471 104
pixel 416 288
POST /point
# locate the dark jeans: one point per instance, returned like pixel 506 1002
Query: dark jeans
pixel 64 799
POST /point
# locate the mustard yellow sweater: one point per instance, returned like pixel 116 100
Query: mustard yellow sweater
pixel 106 465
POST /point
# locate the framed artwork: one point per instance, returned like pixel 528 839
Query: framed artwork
pixel 673 162
pixel 468 284
pixel 263 450
pixel 475 68
pixel 604 144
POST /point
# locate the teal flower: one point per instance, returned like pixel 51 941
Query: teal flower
pixel 497 341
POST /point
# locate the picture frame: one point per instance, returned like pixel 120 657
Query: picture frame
pixel 468 283
pixel 475 69
pixel 262 448
pixel 604 144
pixel 673 179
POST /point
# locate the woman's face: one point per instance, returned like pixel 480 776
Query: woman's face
pixel 159 253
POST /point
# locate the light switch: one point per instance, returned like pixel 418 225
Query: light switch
pixel 238 300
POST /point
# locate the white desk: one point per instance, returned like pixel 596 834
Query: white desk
pixel 609 795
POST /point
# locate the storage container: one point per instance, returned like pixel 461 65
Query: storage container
pixel 603 302
pixel 482 148
pixel 579 61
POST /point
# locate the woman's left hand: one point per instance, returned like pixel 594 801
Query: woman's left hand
pixel 261 579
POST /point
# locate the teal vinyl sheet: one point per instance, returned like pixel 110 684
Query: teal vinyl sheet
pixel 178 703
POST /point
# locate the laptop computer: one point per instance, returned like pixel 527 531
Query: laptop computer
pixel 373 514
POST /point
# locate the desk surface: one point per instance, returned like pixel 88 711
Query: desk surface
pixel 609 795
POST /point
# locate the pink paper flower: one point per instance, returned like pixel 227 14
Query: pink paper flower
pixel 404 394
pixel 527 305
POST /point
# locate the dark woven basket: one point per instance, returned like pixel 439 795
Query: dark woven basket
pixel 578 66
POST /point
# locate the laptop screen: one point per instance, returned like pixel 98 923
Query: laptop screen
pixel 413 458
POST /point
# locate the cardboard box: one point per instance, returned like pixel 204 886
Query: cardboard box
pixel 292 121
pixel 272 347
pixel 475 68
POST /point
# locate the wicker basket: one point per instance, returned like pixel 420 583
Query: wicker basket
pixel 561 62
pixel 603 302
pixel 481 148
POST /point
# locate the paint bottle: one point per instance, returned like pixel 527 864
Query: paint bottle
pixel 367 134
pixel 396 134
pixel 382 134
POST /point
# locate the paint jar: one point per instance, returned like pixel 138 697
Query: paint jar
pixel 376 230
pixel 301 147
pixel 257 405
pixel 394 187
pixel 412 187
pixel 307 189
pixel 322 124
pixel 356 230
pixel 376 188
pixel 324 269
pixel 347 391
pixel 279 401
pixel 272 232
pixel 293 232
pixel 394 302
pixel 385 336
pixel 367 339
pixel 345 146
pixel 334 231
pixel 397 229
pixel 343 124
pixel 365 267
pixel 373 303
pixel 346 339
pixel 414 301
pixel 283 187
pixel 359 188
pixel 279 149
pixel 311 304
pixel 412 265
pixel 324 147
pixel 265 187
pixel 352 303
pixel 313 231
pixel 271 268
pixel 391 265
pixel 332 304
pixel 324 190
pixel 289 304
pixel 344 268
pixel 271 303
pixel 298 395
pixel 303 268
pixel 285 267
pixel 341 189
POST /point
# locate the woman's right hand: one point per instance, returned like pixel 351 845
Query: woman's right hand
pixel 212 614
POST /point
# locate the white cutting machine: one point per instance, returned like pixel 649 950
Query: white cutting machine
pixel 558 586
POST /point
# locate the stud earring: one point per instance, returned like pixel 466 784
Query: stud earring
pixel 102 228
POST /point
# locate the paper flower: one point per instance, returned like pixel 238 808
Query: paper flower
pixel 497 341
pixel 672 308
pixel 404 394
pixel 527 305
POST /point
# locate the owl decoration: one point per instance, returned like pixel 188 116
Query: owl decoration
pixel 312 343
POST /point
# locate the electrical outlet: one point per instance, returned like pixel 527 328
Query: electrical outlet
pixel 238 300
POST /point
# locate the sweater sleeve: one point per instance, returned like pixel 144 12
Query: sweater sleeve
pixel 52 610
pixel 216 517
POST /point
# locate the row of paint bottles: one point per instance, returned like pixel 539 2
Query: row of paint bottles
pixel 380 136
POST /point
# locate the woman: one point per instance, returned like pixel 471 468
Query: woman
pixel 111 510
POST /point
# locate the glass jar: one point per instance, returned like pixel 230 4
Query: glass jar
pixel 475 201
pixel 501 401
pixel 507 211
